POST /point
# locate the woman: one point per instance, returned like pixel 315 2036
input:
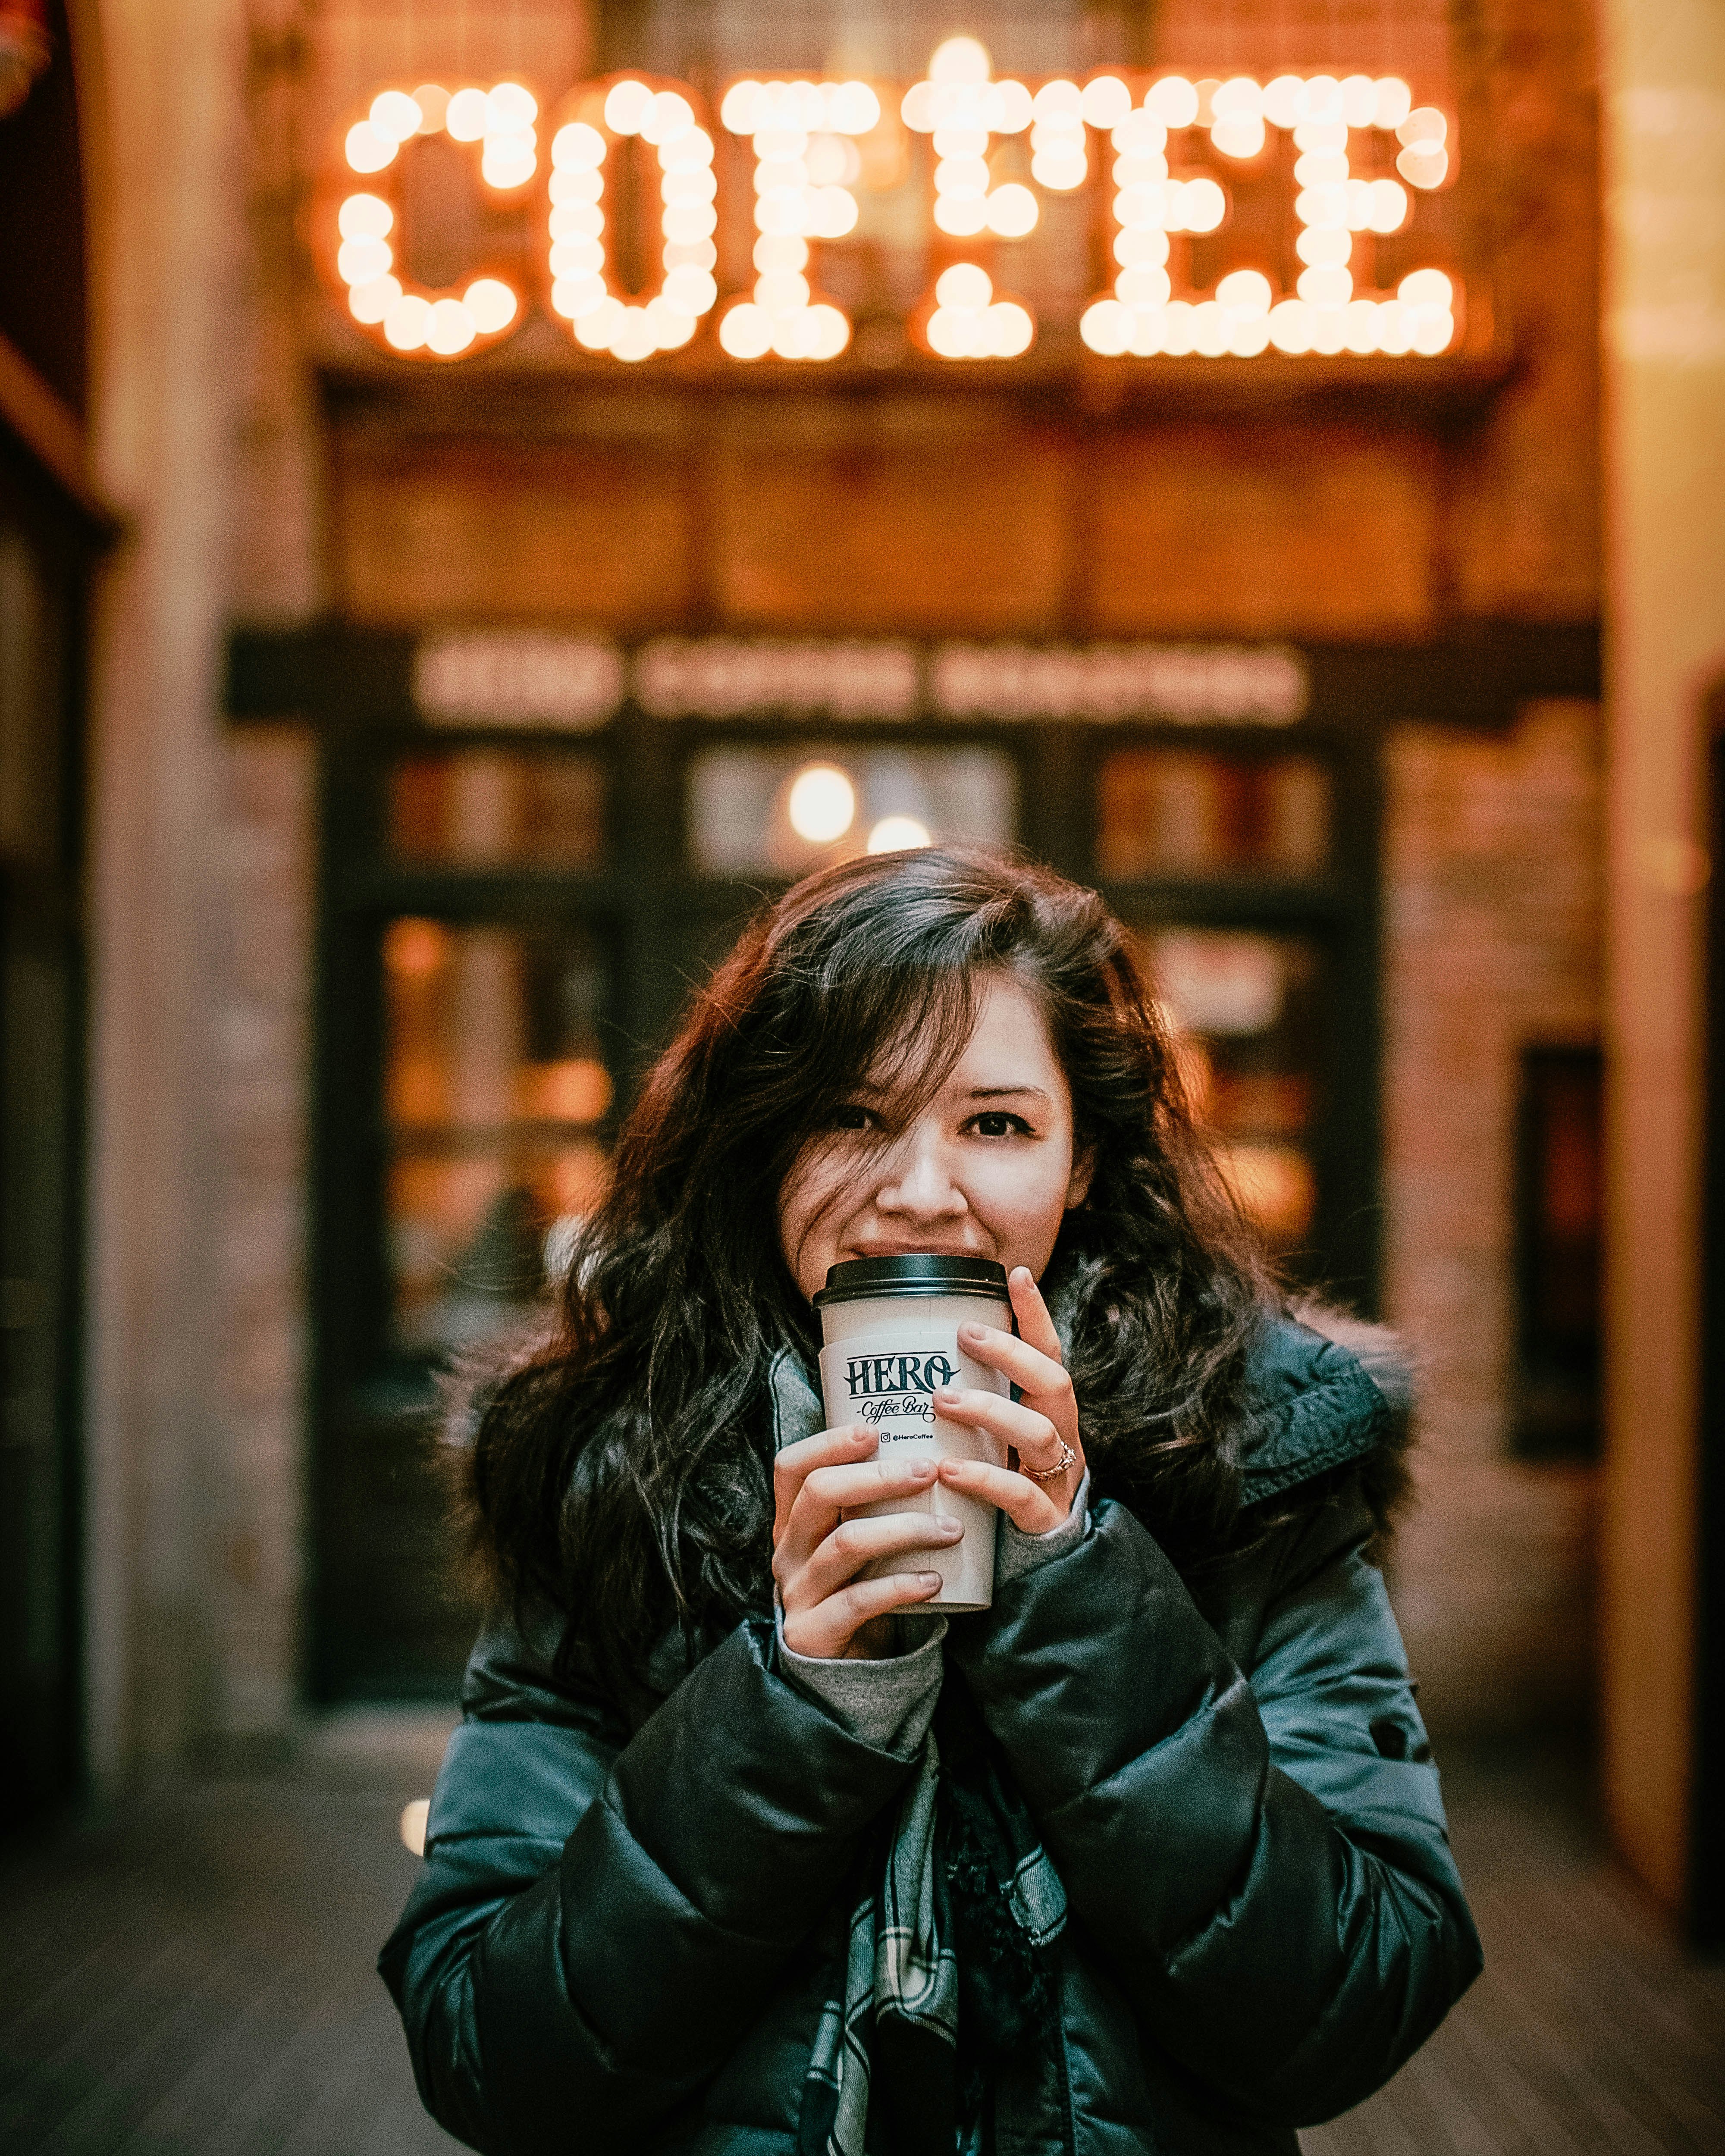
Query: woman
pixel 732 1850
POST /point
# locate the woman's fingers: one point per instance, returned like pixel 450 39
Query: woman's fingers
pixel 854 1544
pixel 795 1463
pixel 1027 1504
pixel 828 1629
pixel 1035 1325
pixel 1041 1379
pixel 829 1493
pixel 1028 1432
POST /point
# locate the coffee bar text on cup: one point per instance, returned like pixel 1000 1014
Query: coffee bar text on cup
pixel 824 163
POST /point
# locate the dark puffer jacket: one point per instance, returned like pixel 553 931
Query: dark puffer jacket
pixel 631 1911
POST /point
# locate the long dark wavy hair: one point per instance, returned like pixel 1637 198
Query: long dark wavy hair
pixel 622 1475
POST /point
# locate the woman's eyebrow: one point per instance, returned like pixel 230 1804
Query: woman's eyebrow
pixel 1005 1092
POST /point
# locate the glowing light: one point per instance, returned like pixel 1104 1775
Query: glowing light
pixel 1244 292
pixel 898 835
pixel 577 148
pixel 360 261
pixel 1173 100
pixel 491 304
pixel 1239 138
pixel 1290 325
pixel 407 321
pixel 1202 207
pixel 413 1818
pixel 805 167
pixel 1424 168
pixel 581 294
pixel 626 106
pixel 1425 287
pixel 961 60
pixel 449 328
pixel 364 216
pixel 395 116
pixel 1393 100
pixel 370 303
pixel 1331 287
pixel 822 803
pixel 1011 211
pixel 365 150
pixel 1106 102
pixel 808 174
pixel 964 286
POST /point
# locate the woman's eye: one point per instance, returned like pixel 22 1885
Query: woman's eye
pixel 996 1123
pixel 852 1117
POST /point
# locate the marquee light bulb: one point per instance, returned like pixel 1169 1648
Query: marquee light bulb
pixel 898 835
pixel 364 216
pixel 822 803
pixel 491 303
pixel 961 60
pixel 464 116
pixel 965 285
pixel 365 150
pixel 1173 100
pixel 1012 212
pixel 395 116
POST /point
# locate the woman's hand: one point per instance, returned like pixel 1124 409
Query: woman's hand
pixel 816 1553
pixel 1042 1421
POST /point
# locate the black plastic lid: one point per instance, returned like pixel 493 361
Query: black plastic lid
pixel 921 1273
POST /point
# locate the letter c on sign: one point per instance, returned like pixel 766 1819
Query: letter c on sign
pixel 358 218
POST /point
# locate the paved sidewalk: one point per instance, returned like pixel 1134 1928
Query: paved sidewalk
pixel 193 1978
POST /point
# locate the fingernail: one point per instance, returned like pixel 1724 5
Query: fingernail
pixel 970 1330
pixel 929 1578
pixel 921 1471
pixel 945 1398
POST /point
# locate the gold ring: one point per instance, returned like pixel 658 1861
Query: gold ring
pixel 1068 1458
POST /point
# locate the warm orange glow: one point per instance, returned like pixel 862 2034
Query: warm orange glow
pixel 818 147
pixel 414 949
pixel 577 1091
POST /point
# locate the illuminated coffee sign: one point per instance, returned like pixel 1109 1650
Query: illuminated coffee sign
pixel 1160 149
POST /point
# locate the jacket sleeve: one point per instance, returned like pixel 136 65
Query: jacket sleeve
pixel 1261 1861
pixel 601 1916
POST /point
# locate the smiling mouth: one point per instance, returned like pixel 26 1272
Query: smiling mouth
pixel 925 1248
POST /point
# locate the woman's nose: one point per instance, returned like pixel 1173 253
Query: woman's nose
pixel 923 1185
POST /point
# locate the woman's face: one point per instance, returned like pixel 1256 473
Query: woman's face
pixel 986 1168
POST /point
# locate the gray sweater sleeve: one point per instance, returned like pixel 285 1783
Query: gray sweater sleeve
pixel 889 1703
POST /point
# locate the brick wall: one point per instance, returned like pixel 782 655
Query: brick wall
pixel 1493 869
pixel 256 1552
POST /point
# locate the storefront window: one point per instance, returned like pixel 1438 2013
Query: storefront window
pixel 496 1096
pixel 497 808
pixel 1249 1012
pixel 781 812
pixel 1165 812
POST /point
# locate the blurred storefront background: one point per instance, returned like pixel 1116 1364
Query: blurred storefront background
pixel 487 491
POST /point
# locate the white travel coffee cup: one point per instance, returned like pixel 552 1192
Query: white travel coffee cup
pixel 890 1329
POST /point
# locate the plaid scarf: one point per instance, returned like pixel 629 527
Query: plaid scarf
pixel 903 2055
